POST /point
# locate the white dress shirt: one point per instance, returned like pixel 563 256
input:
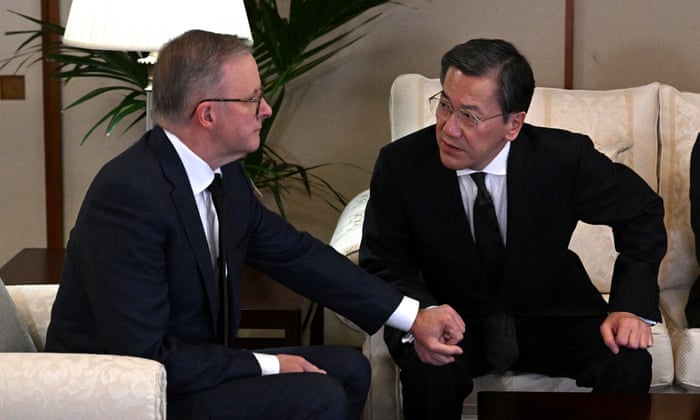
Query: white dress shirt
pixel 495 181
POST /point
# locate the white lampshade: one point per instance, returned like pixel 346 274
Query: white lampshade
pixel 145 25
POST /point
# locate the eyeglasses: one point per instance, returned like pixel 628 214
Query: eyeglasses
pixel 444 109
pixel 255 101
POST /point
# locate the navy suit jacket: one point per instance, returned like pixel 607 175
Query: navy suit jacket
pixel 417 236
pixel 138 278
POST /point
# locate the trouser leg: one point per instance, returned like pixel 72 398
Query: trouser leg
pixel 573 347
pixel 434 392
pixel 340 394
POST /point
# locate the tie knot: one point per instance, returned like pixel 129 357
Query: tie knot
pixel 479 179
pixel 216 188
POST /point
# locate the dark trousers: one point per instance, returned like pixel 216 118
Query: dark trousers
pixel 558 347
pixel 341 394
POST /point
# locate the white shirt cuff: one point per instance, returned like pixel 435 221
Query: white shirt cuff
pixel 269 363
pixel 404 315
pixel 649 322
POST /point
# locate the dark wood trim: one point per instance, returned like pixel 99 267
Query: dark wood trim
pixel 53 160
pixel 569 45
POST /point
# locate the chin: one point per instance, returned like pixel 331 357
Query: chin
pixel 451 162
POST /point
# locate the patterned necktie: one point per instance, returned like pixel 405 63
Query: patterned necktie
pixel 216 188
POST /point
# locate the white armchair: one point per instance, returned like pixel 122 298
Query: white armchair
pixel 622 123
pixel 77 386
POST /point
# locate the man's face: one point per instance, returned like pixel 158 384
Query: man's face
pixel 472 146
pixel 237 124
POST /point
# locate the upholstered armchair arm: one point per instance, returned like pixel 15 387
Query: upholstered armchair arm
pixel 86 386
pixel 348 231
pixel 348 235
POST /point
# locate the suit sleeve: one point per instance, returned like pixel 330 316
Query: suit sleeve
pixel 387 249
pixel 613 194
pixel 315 270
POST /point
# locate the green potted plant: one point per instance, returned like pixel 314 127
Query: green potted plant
pixel 286 48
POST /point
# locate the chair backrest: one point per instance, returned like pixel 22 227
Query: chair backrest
pixel 622 123
pixel 409 109
pixel 679 124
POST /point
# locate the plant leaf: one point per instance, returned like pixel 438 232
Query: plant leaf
pixel 286 48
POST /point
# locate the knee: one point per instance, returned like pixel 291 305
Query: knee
pixel 627 371
pixel 451 379
pixel 350 367
pixel 633 360
pixel 328 400
pixel 362 371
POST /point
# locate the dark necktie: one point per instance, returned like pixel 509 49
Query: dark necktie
pixel 487 235
pixel 216 188
pixel 500 341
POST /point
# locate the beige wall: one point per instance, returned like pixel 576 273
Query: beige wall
pixel 22 207
pixel 630 43
pixel 338 113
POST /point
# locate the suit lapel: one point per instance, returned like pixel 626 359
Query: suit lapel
pixel 186 208
pixel 525 180
pixel 456 236
pixel 460 229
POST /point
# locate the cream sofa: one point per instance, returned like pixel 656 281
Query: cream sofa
pixel 650 128
pixel 40 385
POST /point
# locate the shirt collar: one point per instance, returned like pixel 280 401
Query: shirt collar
pixel 497 166
pixel 198 171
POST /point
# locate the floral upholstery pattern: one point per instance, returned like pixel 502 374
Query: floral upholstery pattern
pixel 679 124
pixel 74 386
pixel 80 386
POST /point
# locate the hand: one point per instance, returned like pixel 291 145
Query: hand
pixel 437 331
pixel 627 330
pixel 291 363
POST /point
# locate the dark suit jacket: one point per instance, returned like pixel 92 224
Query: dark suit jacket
pixel 417 237
pixel 138 278
pixel 692 309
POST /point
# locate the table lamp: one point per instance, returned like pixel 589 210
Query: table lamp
pixel 138 25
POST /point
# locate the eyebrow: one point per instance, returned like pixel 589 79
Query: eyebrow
pixel 470 108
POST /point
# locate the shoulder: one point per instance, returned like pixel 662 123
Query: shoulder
pixel 547 134
pixel 417 150
pixel 139 171
pixel 546 140
pixel 418 142
pixel 142 155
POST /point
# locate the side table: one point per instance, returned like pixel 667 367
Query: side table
pixel 272 315
pixel 494 405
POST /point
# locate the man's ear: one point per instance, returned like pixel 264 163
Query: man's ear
pixel 203 114
pixel 515 124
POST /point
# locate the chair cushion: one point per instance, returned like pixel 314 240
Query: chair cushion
pixel 687 347
pixel 14 336
pixel 622 125
pixel 34 302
